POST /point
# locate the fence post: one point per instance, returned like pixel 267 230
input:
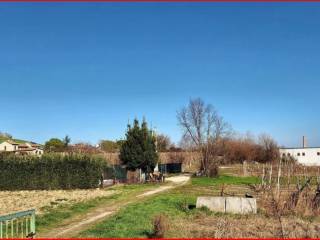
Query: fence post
pixel 20 218
pixel 279 176
pixel 33 223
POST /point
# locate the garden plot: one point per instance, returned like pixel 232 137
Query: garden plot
pixel 13 201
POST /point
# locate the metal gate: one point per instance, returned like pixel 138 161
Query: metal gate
pixel 18 225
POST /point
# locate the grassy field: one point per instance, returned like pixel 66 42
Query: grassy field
pixel 135 220
pixel 55 216
pixel 184 220
pixel 224 179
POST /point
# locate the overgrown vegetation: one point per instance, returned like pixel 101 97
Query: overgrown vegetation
pixel 50 171
pixel 177 210
pixel 111 146
pixel 160 226
pixel 55 145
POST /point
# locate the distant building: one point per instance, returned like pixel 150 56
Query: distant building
pixel 9 146
pixel 26 148
pixel 309 156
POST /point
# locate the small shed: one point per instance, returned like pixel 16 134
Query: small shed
pixel 170 168
pixel 171 162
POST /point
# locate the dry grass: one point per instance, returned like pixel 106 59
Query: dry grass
pixel 256 169
pixel 160 226
pixel 13 201
pixel 234 226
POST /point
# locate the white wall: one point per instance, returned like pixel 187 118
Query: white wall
pixel 5 146
pixel 306 156
pixel 37 151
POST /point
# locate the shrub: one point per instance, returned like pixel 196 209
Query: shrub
pixel 50 171
pixel 160 226
pixel 213 170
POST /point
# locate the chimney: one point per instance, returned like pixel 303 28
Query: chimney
pixel 304 142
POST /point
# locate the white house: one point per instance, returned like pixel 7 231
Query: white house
pixel 9 146
pixel 309 156
pixel 36 149
pixel 21 148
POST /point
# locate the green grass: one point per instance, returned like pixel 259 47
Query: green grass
pixel 55 217
pixel 224 179
pixel 135 220
pixel 2 139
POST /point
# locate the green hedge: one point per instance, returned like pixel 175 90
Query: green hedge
pixel 50 171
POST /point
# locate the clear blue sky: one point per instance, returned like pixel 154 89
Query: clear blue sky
pixel 84 69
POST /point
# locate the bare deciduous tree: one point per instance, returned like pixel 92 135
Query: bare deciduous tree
pixel 163 143
pixel 204 127
pixel 269 147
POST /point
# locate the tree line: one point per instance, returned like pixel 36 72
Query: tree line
pixel 206 131
pixel 203 130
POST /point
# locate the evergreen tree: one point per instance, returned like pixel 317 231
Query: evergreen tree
pixel 66 141
pixel 139 148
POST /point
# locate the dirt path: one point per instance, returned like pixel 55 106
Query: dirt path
pixel 78 224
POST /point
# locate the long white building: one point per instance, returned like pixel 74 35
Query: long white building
pixel 309 156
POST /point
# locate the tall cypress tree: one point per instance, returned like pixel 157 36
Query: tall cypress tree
pixel 139 148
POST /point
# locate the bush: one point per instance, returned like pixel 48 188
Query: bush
pixel 213 170
pixel 160 226
pixel 50 171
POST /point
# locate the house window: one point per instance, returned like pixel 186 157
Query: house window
pixel 288 154
pixel 283 154
pixel 298 154
pixel 5 148
pixel 318 153
pixel 303 154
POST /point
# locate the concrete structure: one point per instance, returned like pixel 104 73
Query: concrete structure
pixel 309 156
pixel 236 205
pixel 241 205
pixel 217 204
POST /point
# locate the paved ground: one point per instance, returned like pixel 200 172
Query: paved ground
pixel 73 227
